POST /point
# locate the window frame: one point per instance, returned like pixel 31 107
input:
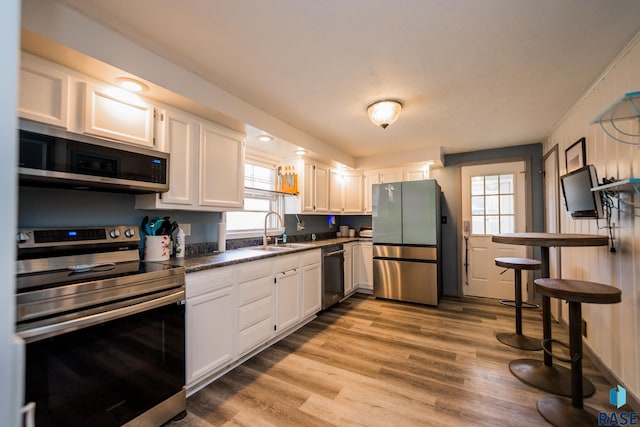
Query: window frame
pixel 498 194
pixel 276 202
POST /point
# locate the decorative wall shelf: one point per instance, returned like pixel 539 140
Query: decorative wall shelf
pixel 625 108
pixel 624 185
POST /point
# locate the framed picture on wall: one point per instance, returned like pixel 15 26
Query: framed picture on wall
pixel 576 155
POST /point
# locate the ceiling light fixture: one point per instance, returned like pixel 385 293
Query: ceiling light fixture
pixel 265 138
pixel 301 151
pixel 132 85
pixel 384 112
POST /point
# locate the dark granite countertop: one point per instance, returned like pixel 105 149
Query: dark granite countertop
pixel 238 256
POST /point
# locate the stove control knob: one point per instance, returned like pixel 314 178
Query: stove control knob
pixel 114 233
pixel 23 237
pixel 129 232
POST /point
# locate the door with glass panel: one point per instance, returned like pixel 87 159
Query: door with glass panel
pixel 493 202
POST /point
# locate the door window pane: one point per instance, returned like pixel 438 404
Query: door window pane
pixel 493 204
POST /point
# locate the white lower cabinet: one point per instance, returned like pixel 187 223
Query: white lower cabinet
pixel 255 305
pixel 210 321
pixel 286 292
pixel 234 310
pixel 349 269
pixel 364 266
pixel 311 283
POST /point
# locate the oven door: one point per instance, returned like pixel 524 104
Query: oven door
pixel 109 373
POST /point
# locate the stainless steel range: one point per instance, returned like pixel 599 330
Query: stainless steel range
pixel 104 331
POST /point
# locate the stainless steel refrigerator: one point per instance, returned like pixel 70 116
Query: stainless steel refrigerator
pixel 406 241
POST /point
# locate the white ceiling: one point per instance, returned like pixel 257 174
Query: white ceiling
pixel 472 74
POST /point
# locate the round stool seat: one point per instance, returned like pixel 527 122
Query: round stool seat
pixel 518 263
pixel 517 339
pixel 578 291
pixel 556 410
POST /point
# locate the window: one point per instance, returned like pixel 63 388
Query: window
pixel 259 181
pixel 493 204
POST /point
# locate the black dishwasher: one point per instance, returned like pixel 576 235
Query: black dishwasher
pixel 332 275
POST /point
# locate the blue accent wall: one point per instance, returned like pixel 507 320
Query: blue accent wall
pixel 449 179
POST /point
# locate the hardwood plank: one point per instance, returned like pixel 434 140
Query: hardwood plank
pixel 373 362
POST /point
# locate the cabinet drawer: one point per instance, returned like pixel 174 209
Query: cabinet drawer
pixel 254 312
pixel 254 290
pixel 254 336
pixel 284 263
pixel 254 270
pixel 311 257
pixel 206 281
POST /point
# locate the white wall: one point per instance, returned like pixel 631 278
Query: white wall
pixel 10 367
pixel 613 330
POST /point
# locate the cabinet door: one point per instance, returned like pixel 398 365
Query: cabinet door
pixel 321 192
pixel 414 174
pixel 348 270
pixel 391 175
pixel 210 332
pixel 178 136
pixel 221 168
pixel 370 178
pixel 308 188
pixel 352 192
pixel 365 266
pixel 287 296
pixel 311 289
pixel 336 200
pixel 118 114
pixel 44 93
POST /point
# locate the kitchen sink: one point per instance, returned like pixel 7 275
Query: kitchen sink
pixel 281 247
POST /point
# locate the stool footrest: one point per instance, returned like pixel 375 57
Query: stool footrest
pixel 524 305
pixel 545 347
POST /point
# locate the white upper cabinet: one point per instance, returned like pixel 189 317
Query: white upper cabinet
pixel 206 165
pixel 345 192
pixel 390 175
pixel 370 178
pixel 417 173
pixel 221 168
pixel 114 113
pixel 44 92
pixel 314 194
pixel 336 200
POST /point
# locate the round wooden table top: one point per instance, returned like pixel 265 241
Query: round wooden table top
pixel 551 239
pixel 518 263
pixel 578 291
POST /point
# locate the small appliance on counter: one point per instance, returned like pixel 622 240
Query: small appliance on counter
pixel 366 232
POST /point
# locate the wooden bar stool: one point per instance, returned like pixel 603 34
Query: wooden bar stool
pixel 557 410
pixel 517 339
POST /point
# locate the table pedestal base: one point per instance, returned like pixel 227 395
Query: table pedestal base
pixel 561 413
pixel 520 341
pixel 552 379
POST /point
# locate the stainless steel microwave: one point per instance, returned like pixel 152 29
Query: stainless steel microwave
pixel 53 157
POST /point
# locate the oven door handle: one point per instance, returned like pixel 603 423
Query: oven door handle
pixel 38 333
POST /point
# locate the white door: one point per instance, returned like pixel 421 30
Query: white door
pixel 552 218
pixel 493 202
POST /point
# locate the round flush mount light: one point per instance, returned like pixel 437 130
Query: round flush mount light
pixel 384 112
pixel 265 138
pixel 301 151
pixel 132 85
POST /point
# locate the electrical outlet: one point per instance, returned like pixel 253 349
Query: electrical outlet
pixel 584 328
pixel 186 228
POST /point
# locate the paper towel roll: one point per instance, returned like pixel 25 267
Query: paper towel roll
pixel 222 237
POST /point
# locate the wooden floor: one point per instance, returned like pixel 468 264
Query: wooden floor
pixel 372 362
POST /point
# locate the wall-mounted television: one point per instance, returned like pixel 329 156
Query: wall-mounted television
pixel 579 200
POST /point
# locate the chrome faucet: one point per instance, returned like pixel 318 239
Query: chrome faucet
pixel 265 238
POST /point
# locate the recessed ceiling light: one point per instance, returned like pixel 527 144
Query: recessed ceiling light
pixel 265 138
pixel 131 84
